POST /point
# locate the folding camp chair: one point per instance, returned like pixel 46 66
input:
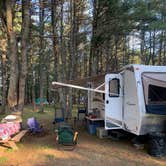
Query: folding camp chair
pixel 66 137
pixel 34 126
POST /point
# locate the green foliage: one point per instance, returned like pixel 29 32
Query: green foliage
pixel 79 32
pixel 49 110
pixel 18 22
pixel 3 160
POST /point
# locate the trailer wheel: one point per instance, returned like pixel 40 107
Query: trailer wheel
pixel 157 144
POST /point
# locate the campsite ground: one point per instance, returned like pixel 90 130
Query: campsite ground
pixel 42 150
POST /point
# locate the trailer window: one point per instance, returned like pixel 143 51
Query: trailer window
pixel 114 87
pixel 156 95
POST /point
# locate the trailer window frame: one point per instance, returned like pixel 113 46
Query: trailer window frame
pixel 117 90
pixel 152 107
pixel 152 96
pixel 146 102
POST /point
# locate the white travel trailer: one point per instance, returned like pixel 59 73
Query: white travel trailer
pixel 135 99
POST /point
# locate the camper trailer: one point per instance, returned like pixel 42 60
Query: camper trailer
pixel 135 99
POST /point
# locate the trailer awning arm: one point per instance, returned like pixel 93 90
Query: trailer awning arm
pixel 77 87
pixel 100 86
pixel 82 88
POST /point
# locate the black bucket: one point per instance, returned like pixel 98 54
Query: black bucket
pixel 157 144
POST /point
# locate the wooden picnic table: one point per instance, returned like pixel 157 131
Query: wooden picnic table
pixel 12 141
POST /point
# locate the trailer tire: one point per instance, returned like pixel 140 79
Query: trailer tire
pixel 157 144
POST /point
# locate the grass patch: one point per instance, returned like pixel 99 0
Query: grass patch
pixel 28 112
pixel 49 111
pixel 43 146
pixel 9 150
pixel 3 160
pixel 46 147
pixel 49 108
pixel 2 116
pixel 50 157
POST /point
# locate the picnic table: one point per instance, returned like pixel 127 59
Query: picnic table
pixel 10 131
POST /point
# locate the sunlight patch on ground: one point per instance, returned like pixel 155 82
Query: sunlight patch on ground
pixel 62 154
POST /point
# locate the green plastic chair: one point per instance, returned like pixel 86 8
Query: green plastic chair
pixel 66 136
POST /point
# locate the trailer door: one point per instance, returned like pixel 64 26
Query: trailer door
pixel 113 100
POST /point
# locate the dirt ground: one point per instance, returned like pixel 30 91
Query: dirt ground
pixel 91 151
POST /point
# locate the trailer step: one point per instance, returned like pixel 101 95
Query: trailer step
pixel 112 126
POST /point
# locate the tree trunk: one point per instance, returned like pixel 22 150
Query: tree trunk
pixel 160 49
pixel 142 46
pixel 154 47
pixel 59 72
pixel 4 75
pixel 12 92
pixel 150 49
pixel 73 51
pixel 94 46
pixel 41 18
pixel 24 40
pixel 54 38
pixel 33 92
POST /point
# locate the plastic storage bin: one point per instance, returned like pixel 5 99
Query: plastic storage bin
pixel 57 120
pixel 92 128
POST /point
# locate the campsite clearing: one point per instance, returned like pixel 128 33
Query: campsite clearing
pixel 42 150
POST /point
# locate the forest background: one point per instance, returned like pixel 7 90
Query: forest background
pixel 59 40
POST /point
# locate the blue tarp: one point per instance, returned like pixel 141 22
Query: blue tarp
pixel 44 101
